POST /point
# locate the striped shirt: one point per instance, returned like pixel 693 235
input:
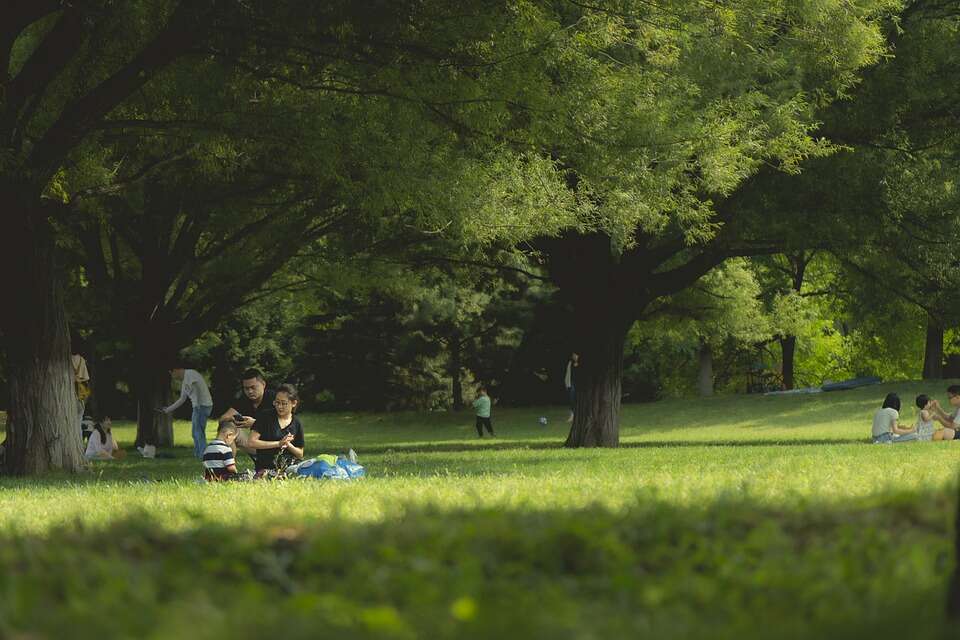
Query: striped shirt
pixel 216 458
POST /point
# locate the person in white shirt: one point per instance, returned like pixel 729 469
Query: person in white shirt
pixel 886 423
pixel 195 388
pixel 101 445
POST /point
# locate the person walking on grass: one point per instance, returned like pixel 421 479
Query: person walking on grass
pixel 278 437
pixel 482 408
pixel 886 427
pixel 193 386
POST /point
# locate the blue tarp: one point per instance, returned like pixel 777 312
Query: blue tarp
pixel 343 469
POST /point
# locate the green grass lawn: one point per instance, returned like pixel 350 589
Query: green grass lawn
pixel 726 517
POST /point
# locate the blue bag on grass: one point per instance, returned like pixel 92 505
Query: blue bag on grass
pixel 321 468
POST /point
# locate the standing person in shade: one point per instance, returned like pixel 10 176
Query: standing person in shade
pixel 81 378
pixel 482 407
pixel 193 386
pixel 254 401
pixel 278 437
pixel 570 381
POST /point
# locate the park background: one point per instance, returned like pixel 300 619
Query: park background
pixel 389 203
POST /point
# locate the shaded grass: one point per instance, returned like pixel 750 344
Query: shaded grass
pixel 724 517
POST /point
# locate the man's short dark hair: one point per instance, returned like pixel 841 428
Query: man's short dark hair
pixel 954 390
pixel 250 374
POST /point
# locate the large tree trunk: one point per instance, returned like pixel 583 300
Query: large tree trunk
pixel 933 351
pixel 596 415
pixel 788 348
pixel 705 377
pixel 153 391
pixel 456 372
pixel 43 420
pixel 151 357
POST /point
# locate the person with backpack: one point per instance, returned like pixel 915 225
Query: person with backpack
pixel 81 379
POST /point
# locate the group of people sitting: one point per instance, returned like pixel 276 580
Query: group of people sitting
pixel 933 423
pixel 260 423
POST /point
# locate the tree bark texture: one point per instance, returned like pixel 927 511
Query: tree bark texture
pixel 152 354
pixel 43 420
pixel 456 372
pixel 788 349
pixel 705 377
pixel 933 351
pixel 599 381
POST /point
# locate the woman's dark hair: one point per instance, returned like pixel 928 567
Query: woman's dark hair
pixel 98 425
pixel 892 401
pixel 290 390
pixel 922 400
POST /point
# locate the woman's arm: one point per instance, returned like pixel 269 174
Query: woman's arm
pixel 256 443
pixel 897 429
pixel 297 452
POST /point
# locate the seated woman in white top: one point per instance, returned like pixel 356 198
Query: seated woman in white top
pixel 101 445
pixel 885 423
pixel 926 427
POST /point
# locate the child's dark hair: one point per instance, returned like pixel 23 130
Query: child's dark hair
pixel 892 401
pixel 922 400
pixel 227 428
pixel 954 390
pixel 481 389
pixel 290 390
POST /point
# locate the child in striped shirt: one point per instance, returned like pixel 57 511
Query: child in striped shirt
pixel 219 457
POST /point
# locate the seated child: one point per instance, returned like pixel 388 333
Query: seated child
pixel 101 445
pixel 219 462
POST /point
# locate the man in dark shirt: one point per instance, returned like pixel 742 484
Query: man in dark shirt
pixel 252 403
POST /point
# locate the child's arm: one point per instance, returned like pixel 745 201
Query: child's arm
pixel 256 443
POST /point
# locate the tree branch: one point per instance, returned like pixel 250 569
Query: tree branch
pixel 185 26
